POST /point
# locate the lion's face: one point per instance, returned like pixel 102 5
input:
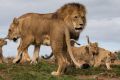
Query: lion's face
pixel 2 42
pixel 94 48
pixel 76 20
pixel 13 32
pixel 112 57
pixel 73 14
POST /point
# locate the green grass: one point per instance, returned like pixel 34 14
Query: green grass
pixel 43 70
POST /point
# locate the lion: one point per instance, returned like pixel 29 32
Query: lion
pixel 60 13
pixel 83 55
pixel 65 24
pixel 2 43
pixel 101 55
pixel 106 57
pixel 25 56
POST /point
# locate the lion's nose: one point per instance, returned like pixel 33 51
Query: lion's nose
pixel 81 24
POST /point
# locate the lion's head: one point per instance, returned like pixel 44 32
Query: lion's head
pixel 74 14
pixel 2 42
pixel 93 47
pixel 112 57
pixel 13 32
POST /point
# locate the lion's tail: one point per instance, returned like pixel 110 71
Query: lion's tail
pixel 47 57
pixel 67 36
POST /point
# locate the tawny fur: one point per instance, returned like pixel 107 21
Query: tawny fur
pixel 61 13
pixel 105 57
pixel 60 29
pixel 2 43
pixel 91 54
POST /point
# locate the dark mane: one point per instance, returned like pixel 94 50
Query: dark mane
pixel 61 12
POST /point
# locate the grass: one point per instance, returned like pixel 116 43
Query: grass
pixel 43 70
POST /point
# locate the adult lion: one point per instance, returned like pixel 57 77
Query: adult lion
pixel 61 13
pixel 65 24
pixel 2 43
pixel 91 54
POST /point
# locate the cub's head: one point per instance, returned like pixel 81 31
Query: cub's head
pixel 13 32
pixel 93 47
pixel 2 42
pixel 112 56
pixel 74 14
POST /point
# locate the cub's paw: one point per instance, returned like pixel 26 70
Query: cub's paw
pixel 54 73
pixel 33 62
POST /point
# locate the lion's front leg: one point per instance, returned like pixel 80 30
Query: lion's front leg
pixel 62 64
pixel 25 57
pixel 23 46
pixel 19 55
pixel 36 54
pixel 108 66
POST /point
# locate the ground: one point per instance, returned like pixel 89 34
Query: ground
pixel 42 70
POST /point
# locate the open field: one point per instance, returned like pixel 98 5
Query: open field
pixel 42 71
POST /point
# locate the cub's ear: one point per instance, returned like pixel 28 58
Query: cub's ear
pixel 110 54
pixel 96 43
pixel 117 53
pixel 15 21
pixel 87 49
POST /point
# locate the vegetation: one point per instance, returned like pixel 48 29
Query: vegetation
pixel 118 54
pixel 42 71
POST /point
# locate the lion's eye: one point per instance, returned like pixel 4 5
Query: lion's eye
pixel 76 17
pixel 9 30
pixel 83 17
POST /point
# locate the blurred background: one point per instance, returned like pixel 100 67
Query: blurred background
pixel 103 21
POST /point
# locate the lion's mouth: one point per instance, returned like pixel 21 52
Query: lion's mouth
pixel 15 39
pixel 112 60
pixel 79 28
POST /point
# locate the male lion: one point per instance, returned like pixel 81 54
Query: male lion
pixel 2 43
pixel 70 10
pixel 65 24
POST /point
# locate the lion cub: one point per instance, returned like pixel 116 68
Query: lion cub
pixel 106 57
pixel 2 43
pixel 101 55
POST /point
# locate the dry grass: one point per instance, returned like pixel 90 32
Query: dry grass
pixel 42 70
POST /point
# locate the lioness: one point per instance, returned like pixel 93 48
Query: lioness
pixel 91 54
pixel 2 43
pixel 106 57
pixel 101 55
pixel 82 54
pixel 73 11
pixel 65 24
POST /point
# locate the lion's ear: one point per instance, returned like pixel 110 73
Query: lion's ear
pixel 87 49
pixel 15 21
pixel 110 54
pixel 96 43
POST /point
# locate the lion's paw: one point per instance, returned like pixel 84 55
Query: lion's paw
pixel 54 73
pixel 33 62
pixel 15 60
